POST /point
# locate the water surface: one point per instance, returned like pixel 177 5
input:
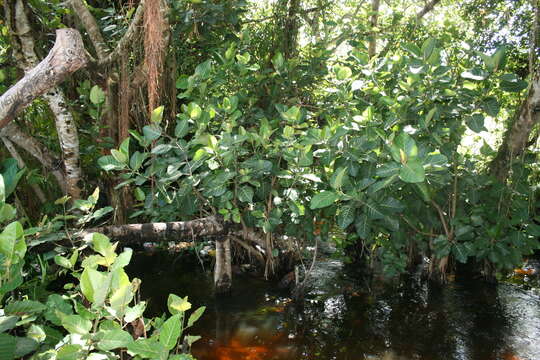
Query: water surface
pixel 347 318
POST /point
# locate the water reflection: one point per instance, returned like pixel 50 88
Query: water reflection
pixel 345 318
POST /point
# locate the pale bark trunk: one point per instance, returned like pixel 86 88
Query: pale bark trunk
pixel 14 134
pixel 372 47
pixel 156 232
pixel 516 137
pixel 223 267
pixel 15 154
pixel 65 124
pixel 69 140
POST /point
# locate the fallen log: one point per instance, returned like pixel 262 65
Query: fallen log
pixel 161 231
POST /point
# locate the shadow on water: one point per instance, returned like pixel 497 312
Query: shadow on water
pixel 345 318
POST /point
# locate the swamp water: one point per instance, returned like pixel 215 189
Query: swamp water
pixel 344 318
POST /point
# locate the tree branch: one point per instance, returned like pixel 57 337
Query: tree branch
pixel 91 26
pixel 67 56
pixel 426 9
pixel 128 37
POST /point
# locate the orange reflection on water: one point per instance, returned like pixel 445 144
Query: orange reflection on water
pixel 236 351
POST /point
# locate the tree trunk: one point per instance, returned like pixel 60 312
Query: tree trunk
pixel 223 267
pixel 516 137
pixel 15 154
pixel 372 47
pixel 69 140
pixel 156 232
pixel 14 134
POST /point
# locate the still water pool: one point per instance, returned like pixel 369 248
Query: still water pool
pixel 345 318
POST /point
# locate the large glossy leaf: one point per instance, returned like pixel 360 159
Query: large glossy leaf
pixel 75 324
pixel 245 193
pixel 170 331
pixel 345 216
pixel 476 123
pixel 412 172
pixel 323 199
pixel 114 339
pixel 196 315
pixel 362 226
pixel 95 286
pixel 148 349
pixel 491 106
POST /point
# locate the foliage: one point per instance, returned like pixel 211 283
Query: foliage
pixel 96 317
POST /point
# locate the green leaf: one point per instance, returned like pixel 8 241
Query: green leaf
pixel 102 245
pixel 245 194
pixel 203 70
pixel 97 96
pixel 194 110
pixel 427 48
pixel 491 106
pixel 178 305
pixel 151 132
pixel 139 194
pixel 148 349
pixel 408 146
pixel 476 123
pixel 135 312
pixel 412 172
pixel 12 244
pixel 137 160
pixel 181 129
pixel 62 261
pixel 323 199
pixel 8 322
pixel 342 72
pixel 278 60
pixel 114 339
pixel 24 307
pixel 109 163
pixel 170 331
pixel 345 216
pixel 95 286
pixel 75 324
pixel 25 346
pixel 161 149
pixel 7 346
pixel 122 260
pixel 337 178
pixel 195 316
pixel 511 83
pixel 230 104
pixel 37 333
pixel 389 169
pixel 70 352
pixel 293 114
pixel 157 115
pixel 362 226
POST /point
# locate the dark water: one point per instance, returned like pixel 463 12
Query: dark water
pixel 348 319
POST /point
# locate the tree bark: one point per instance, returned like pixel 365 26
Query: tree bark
pixel 91 27
pixel 66 56
pixel 15 154
pixel 69 140
pixel 516 137
pixel 65 124
pixel 223 267
pixel 14 134
pixel 157 232
pixel 426 9
pixel 372 47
